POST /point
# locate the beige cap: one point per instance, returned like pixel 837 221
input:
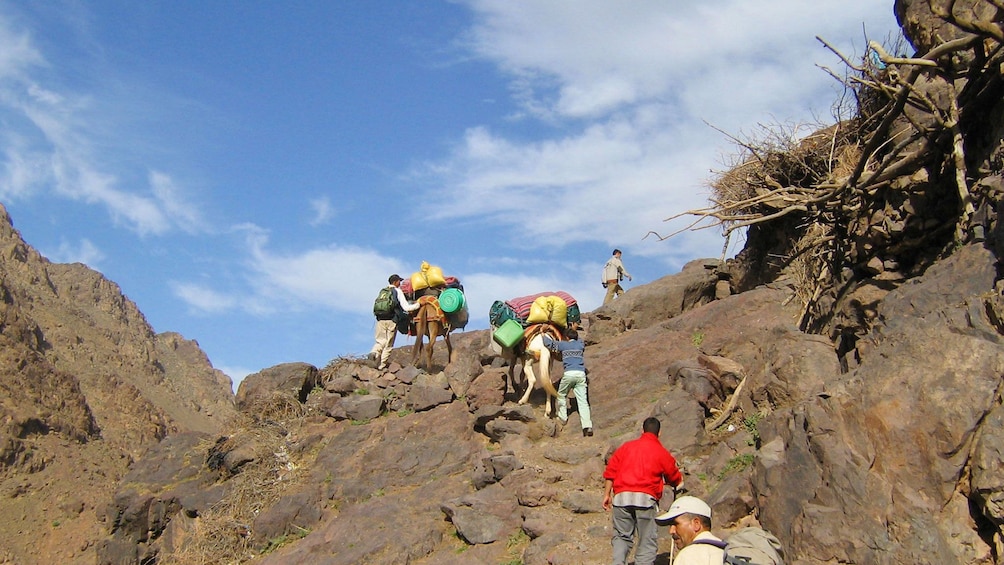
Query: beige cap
pixel 684 505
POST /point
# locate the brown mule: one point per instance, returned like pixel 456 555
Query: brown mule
pixel 430 321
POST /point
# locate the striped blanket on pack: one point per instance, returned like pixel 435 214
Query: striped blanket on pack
pixel 521 305
pixel 519 308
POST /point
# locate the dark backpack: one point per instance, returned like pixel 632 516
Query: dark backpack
pixel 750 546
pixel 386 302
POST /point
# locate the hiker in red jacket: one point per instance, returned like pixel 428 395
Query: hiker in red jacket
pixel 635 477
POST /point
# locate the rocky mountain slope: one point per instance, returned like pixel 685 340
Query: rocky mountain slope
pixel 85 388
pixel 839 382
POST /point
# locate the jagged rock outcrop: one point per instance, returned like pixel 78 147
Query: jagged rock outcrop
pixel 86 386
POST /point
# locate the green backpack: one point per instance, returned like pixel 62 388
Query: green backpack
pixel 749 546
pixel 386 302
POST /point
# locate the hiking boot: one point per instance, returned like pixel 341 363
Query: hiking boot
pixel 587 432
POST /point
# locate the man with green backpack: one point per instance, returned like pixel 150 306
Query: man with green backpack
pixel 389 305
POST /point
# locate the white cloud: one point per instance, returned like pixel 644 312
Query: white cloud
pixel 17 52
pixel 339 278
pixel 323 211
pixel 203 299
pixel 56 138
pixel 174 204
pixel 84 252
pixel 634 91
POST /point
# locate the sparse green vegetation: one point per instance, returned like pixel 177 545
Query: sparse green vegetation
pixel 736 464
pixel 514 546
pixel 404 412
pixel 516 539
pixel 697 339
pixel 279 541
pixel 750 424
pixel 359 422
pixel 362 391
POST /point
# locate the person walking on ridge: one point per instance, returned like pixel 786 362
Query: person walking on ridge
pixel 574 378
pixel 386 325
pixel 635 476
pixel 613 274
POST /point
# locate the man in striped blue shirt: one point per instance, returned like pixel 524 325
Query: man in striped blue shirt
pixel 573 379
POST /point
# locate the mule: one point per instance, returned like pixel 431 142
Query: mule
pixel 533 351
pixel 430 322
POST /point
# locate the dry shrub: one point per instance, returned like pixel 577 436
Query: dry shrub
pixel 809 263
pixel 278 407
pixel 736 184
pixel 779 159
pixel 223 534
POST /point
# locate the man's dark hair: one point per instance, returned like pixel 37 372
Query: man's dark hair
pixel 571 334
pixel 705 521
pixel 616 251
pixel 393 279
pixel 651 425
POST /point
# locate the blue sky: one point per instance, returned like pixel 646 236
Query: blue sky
pixel 251 172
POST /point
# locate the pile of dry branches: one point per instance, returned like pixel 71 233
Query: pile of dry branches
pixel 223 535
pixel 884 191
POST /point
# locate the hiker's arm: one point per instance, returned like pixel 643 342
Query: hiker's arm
pixel 403 301
pixel 608 495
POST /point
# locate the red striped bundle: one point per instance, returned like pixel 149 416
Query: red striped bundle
pixel 521 305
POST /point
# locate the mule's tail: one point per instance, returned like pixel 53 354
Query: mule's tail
pixel 545 372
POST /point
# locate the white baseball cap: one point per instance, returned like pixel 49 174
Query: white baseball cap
pixel 684 505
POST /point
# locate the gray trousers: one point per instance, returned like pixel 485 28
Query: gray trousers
pixel 631 520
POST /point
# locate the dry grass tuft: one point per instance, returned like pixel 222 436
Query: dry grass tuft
pixel 223 535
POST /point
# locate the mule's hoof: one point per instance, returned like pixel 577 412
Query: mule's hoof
pixel 587 432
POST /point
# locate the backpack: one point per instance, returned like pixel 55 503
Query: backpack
pixel 386 302
pixel 750 546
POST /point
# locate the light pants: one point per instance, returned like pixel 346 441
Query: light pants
pixel 386 331
pixel 629 520
pixel 614 289
pixel 576 382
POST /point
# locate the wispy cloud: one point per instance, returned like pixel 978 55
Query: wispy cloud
pixel 174 203
pixel 202 299
pixel 323 211
pixel 633 92
pixel 337 278
pixel 55 140
pixel 83 252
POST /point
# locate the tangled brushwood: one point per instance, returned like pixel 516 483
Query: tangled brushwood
pixel 264 471
pixel 854 209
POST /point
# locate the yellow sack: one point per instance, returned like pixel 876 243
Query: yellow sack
pixel 430 275
pixel 548 309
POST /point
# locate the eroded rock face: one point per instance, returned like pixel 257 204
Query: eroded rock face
pixel 924 29
pixel 86 386
pixel 884 451
pixel 292 380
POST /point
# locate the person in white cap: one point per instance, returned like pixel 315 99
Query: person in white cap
pixel 689 521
